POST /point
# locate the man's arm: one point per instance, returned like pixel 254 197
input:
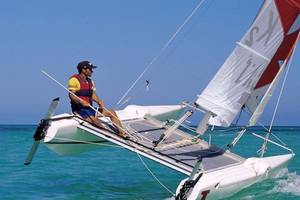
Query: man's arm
pixel 78 100
pixel 97 100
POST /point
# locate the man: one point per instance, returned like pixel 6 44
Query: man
pixel 84 88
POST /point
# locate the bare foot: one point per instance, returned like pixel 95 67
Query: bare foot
pixel 123 134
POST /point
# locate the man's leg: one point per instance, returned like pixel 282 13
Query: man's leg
pixel 89 115
pixel 95 121
pixel 114 118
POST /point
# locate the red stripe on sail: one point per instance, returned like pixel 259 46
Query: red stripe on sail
pixel 296 3
pixel 284 52
pixel 288 11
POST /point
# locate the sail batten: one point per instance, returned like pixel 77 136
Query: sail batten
pixel 253 51
pixel 247 73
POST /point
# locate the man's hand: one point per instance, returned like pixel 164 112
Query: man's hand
pixel 84 103
pixel 100 103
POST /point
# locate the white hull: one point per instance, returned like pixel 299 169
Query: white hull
pixel 66 137
pixel 226 182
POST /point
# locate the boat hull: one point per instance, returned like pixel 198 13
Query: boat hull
pixel 226 182
pixel 66 137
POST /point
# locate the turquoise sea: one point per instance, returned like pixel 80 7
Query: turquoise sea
pixel 115 173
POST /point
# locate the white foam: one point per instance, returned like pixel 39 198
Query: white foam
pixel 282 173
pixel 170 198
pixel 248 197
pixel 288 183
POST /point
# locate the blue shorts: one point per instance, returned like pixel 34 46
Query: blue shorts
pixel 85 112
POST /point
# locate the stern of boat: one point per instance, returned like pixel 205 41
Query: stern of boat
pixel 228 181
pixel 64 137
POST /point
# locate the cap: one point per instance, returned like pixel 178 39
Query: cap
pixel 85 64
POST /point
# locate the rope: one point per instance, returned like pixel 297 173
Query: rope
pixel 258 122
pixel 153 175
pixel 162 50
pixel 279 140
pixel 134 94
pixel 141 137
pixel 239 117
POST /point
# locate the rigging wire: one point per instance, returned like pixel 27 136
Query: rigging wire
pixel 258 122
pixel 162 50
pixel 266 129
pixel 282 88
pixel 284 144
pixel 147 87
pixel 239 117
pixel 153 175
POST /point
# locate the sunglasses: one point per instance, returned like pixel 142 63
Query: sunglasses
pixel 89 69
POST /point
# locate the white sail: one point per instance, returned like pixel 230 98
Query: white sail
pixel 268 81
pixel 260 108
pixel 236 81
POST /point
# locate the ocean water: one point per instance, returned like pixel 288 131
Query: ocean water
pixel 115 173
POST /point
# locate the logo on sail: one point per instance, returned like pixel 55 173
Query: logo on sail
pixel 249 75
pixel 255 34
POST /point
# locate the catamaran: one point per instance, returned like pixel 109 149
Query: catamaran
pixel 244 83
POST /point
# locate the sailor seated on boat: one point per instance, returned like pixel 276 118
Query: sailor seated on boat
pixel 83 87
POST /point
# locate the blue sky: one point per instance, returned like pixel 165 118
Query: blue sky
pixel 122 37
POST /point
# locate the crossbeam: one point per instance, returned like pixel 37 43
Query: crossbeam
pixel 171 130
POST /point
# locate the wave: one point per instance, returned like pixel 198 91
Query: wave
pixel 248 197
pixel 170 198
pixel 287 183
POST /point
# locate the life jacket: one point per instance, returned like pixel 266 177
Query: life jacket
pixel 85 92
